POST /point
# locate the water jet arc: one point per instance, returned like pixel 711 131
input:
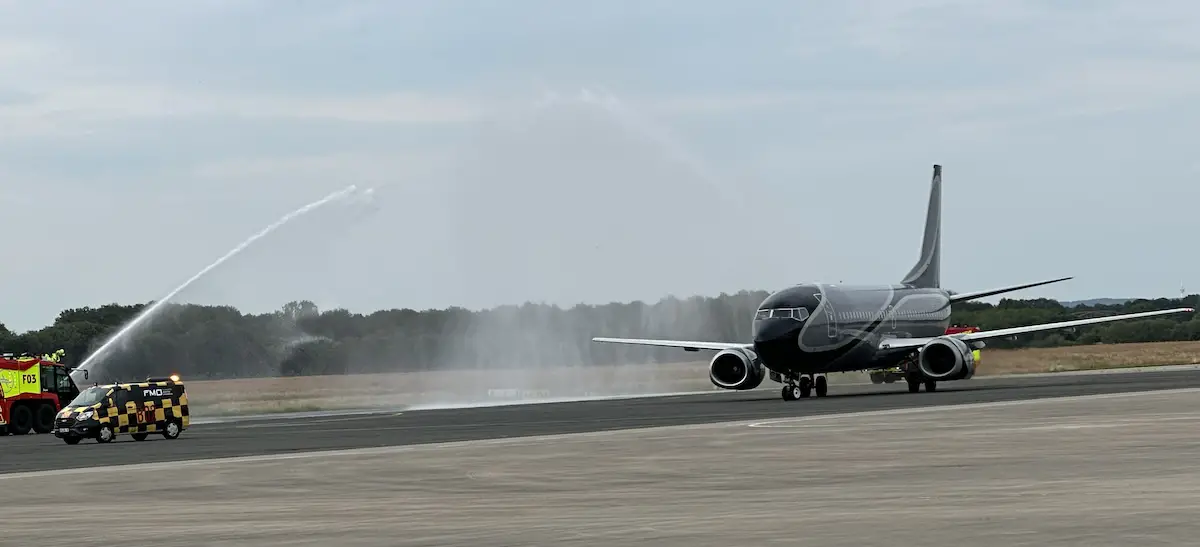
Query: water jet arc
pixel 140 317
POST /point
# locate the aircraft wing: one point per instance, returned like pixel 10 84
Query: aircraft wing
pixel 684 344
pixel 991 292
pixel 900 343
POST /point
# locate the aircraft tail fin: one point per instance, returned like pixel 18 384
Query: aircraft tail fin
pixel 927 272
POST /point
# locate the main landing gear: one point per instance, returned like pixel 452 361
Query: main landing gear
pixel 802 387
pixel 915 380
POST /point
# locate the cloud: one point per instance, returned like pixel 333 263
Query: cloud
pixel 49 89
pixel 203 119
pixel 366 169
pixel 964 67
pixel 110 102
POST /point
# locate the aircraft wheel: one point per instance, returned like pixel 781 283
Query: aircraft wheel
pixel 930 386
pixel 806 385
pixel 914 385
pixel 822 386
pixel 789 393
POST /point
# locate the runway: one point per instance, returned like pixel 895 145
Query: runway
pixel 267 436
pixel 1113 469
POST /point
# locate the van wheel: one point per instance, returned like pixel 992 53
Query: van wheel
pixel 139 436
pixel 22 420
pixel 105 435
pixel 45 419
pixel 172 430
pixel 72 440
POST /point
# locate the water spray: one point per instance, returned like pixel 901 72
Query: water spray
pixel 652 131
pixel 144 314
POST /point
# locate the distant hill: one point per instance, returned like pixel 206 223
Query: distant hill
pixel 1096 302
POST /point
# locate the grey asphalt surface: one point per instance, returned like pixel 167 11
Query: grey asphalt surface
pixel 1080 472
pixel 401 427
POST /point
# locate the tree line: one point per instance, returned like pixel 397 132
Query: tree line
pixel 210 342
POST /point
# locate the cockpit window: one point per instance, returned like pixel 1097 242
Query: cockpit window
pixel 798 314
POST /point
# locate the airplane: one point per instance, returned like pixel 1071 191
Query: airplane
pixel 804 332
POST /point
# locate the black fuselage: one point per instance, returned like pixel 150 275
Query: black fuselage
pixel 815 328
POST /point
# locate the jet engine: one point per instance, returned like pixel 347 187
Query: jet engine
pixel 947 358
pixel 736 369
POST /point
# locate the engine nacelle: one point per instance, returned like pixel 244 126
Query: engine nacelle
pixel 736 369
pixel 947 358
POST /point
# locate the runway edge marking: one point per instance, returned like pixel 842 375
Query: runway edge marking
pixel 387 450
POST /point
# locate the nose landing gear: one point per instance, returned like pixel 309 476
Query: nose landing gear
pixel 801 387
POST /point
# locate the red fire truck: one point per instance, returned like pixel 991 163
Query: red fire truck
pixel 32 390
pixel 890 375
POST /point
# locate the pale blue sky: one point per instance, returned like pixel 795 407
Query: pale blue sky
pixel 569 151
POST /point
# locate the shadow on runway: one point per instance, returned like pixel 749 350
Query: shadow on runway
pixel 834 395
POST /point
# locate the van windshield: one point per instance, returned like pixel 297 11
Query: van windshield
pixel 90 396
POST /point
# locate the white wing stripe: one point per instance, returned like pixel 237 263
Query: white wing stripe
pixel 899 343
pixel 684 344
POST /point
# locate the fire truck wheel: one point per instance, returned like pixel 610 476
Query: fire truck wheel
pixel 22 420
pixel 45 419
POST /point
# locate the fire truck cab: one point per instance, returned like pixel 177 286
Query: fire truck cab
pixel 32 391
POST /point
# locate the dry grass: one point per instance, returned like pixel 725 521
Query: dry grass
pixel 400 390
pixel 1099 356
